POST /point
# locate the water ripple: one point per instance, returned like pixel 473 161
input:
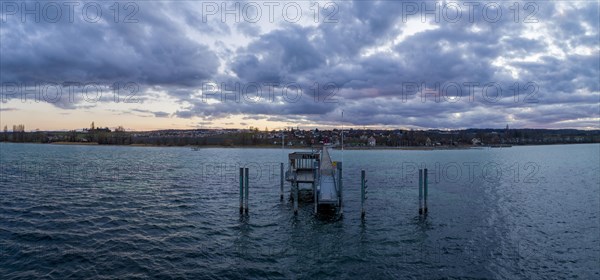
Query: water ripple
pixel 167 213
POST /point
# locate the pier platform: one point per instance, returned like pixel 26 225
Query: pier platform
pixel 316 169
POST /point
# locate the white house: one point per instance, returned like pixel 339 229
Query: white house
pixel 371 141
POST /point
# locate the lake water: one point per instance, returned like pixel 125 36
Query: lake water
pixel 134 212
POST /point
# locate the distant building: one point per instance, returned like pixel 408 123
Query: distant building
pixel 476 141
pixel 371 141
pixel 99 129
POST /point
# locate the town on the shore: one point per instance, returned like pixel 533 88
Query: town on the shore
pixel 296 137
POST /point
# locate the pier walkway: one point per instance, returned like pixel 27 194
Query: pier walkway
pixel 326 188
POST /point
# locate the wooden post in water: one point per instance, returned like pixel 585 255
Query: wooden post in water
pixel 425 189
pixel 295 191
pixel 241 189
pixel 363 187
pixel 420 191
pixel 341 185
pixel 281 182
pixel 246 181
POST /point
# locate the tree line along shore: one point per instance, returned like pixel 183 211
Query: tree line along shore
pixel 353 138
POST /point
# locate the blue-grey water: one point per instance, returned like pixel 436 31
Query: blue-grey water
pixel 114 212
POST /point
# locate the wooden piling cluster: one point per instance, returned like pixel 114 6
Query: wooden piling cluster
pixel 423 191
pixel 244 189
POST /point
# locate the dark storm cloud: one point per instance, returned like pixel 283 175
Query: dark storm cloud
pixel 367 56
pixel 564 77
pixel 278 54
pixel 153 50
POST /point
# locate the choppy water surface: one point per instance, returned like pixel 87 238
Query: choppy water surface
pixel 128 212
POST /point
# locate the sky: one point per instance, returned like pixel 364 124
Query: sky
pixel 148 65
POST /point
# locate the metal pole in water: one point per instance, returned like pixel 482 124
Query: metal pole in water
pixel 341 185
pixel 315 195
pixel 425 187
pixel 241 189
pixel 295 190
pixel 420 191
pixel 362 194
pixel 315 179
pixel 281 182
pixel 246 175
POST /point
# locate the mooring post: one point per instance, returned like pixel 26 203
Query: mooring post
pixel 420 191
pixel 425 188
pixel 315 180
pixel 241 189
pixel 295 191
pixel 281 182
pixel 341 185
pixel 246 181
pixel 362 194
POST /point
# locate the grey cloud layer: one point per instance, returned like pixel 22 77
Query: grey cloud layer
pixel 172 48
pixel 153 51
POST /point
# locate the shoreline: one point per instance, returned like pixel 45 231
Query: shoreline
pixel 70 143
pixel 403 148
